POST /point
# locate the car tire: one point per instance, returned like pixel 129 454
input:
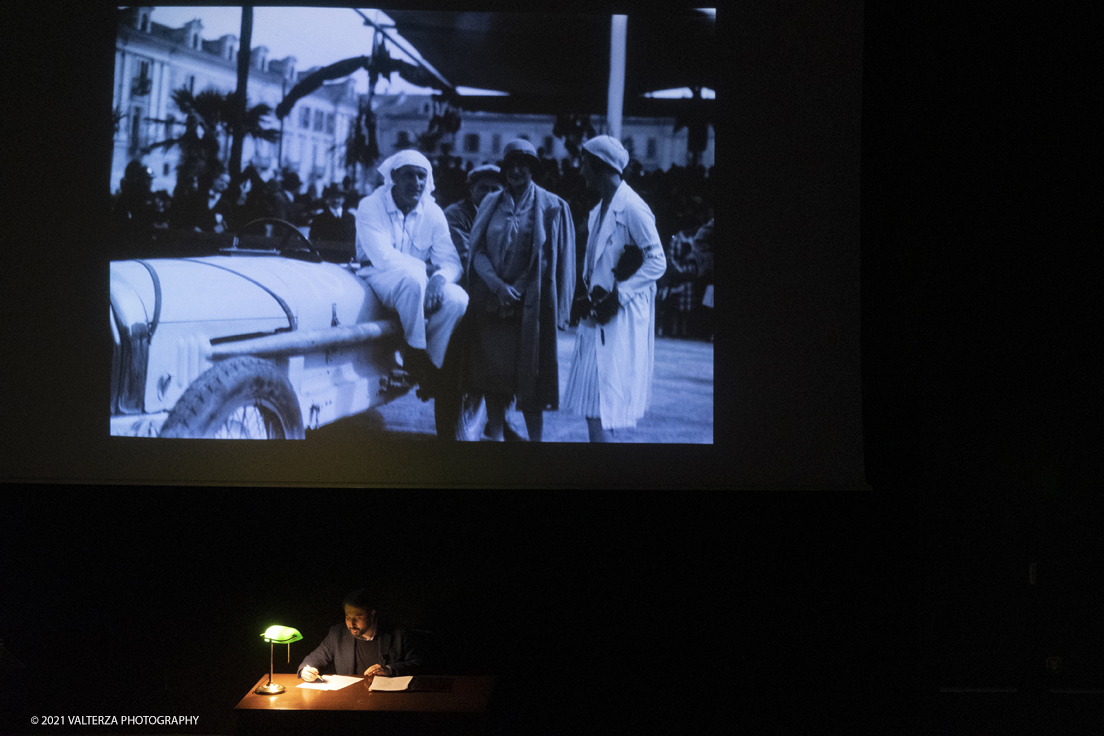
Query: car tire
pixel 240 398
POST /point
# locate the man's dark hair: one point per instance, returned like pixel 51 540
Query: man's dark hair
pixel 361 598
pixel 601 164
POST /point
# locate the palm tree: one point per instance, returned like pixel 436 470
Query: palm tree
pixel 239 96
pixel 208 115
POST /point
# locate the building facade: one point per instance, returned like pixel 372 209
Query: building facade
pixel 153 60
pixel 482 135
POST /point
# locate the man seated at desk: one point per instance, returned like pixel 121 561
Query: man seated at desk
pixel 363 645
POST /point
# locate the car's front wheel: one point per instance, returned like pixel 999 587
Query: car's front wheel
pixel 240 398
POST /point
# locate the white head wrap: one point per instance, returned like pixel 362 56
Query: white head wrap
pixel 609 150
pixel 408 158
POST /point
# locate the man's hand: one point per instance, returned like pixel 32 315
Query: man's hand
pixel 377 669
pixel 310 674
pixel 433 297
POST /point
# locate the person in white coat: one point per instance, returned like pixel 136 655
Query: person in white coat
pixel 610 379
pixel 399 228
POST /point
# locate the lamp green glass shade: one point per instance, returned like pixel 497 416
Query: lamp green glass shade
pixel 276 635
pixel 281 634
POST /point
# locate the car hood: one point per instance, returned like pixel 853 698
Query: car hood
pixel 304 295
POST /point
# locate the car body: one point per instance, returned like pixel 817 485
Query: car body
pixel 250 343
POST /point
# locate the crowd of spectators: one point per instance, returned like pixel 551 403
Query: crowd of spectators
pixel 681 198
pixel 216 204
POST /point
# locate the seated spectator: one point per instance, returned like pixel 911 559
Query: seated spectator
pixel 679 299
pixel 334 222
pixel 703 257
pixel 288 203
pixel 211 211
pixel 161 203
pixel 205 208
pixel 134 209
pixel 250 203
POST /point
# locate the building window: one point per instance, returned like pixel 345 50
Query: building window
pixel 523 136
pixel 471 143
pixel 190 83
pixel 141 85
pixel 145 23
pixel 652 148
pixel 549 145
pixel 135 125
pixel 330 123
pixel 403 140
pixel 195 41
pixel 304 117
pixel 319 121
pixel 170 121
pixel 165 170
pixel 496 143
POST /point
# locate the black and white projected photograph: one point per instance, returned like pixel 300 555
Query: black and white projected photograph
pixel 414 225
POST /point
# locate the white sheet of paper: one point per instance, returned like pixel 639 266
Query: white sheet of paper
pixel 333 682
pixel 390 683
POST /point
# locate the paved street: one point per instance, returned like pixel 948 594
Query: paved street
pixel 681 410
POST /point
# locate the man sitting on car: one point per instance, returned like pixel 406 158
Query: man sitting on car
pixel 399 229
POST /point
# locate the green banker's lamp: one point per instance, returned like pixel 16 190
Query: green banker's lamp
pixel 277 635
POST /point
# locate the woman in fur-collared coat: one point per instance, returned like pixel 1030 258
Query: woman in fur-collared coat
pixel 521 277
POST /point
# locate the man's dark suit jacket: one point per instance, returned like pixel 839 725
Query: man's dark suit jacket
pixel 339 647
pixel 327 227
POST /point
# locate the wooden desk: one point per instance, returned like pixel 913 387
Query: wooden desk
pixel 357 709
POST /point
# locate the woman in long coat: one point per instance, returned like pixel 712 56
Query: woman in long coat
pixel 610 380
pixel 521 278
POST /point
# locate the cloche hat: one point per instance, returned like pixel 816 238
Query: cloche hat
pixel 486 170
pixel 609 150
pixel 521 147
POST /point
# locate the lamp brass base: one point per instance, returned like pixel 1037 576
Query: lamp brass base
pixel 270 688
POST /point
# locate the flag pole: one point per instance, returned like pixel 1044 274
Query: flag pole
pixel 616 98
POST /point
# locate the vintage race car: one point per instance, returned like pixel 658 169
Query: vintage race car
pixel 262 340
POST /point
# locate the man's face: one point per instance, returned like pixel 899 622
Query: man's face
pixel 334 201
pixel 482 188
pixel 410 182
pixel 221 183
pixel 358 620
